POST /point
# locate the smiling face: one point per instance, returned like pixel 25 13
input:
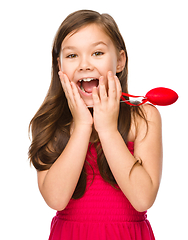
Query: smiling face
pixel 88 54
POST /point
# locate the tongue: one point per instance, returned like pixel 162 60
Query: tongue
pixel 88 86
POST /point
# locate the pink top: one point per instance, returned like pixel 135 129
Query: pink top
pixel 103 213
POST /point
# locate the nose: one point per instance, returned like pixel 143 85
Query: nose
pixel 85 64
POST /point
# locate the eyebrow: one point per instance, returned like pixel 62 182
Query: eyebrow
pixel 94 45
pixel 98 43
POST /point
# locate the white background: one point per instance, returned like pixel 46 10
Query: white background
pixel 155 33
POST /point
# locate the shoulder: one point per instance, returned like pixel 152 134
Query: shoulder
pixel 151 118
pixel 148 120
pixel 152 113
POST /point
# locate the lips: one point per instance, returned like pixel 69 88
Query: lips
pixel 86 85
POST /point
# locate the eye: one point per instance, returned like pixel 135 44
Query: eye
pixel 72 56
pixel 96 54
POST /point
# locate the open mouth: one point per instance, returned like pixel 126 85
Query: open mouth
pixel 87 84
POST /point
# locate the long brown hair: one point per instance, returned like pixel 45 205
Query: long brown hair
pixel 50 127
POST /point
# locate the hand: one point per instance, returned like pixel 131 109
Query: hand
pixel 106 106
pixel 81 114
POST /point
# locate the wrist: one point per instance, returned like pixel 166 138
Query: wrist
pixel 82 128
pixel 108 133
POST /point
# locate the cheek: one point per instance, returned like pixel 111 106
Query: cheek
pixel 64 66
pixel 114 66
pixel 110 64
pixel 67 69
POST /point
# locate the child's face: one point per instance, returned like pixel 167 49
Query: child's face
pixel 85 56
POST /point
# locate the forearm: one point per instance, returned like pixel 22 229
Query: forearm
pixel 137 186
pixel 61 179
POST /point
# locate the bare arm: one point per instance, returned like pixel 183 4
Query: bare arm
pixel 58 183
pixel 141 184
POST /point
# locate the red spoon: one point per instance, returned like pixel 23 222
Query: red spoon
pixel 157 96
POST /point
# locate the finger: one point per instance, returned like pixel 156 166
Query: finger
pixel 76 94
pixel 60 73
pixel 112 92
pixel 96 99
pixel 61 76
pixel 118 88
pixel 102 89
pixel 75 90
pixel 67 88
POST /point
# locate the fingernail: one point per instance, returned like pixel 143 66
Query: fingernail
pixel 101 80
pixel 94 90
pixel 61 76
pixel 110 74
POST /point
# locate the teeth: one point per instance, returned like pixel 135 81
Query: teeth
pixel 86 79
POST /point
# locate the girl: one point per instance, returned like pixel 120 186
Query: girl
pixel 98 160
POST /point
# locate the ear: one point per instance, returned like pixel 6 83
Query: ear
pixel 59 63
pixel 121 61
